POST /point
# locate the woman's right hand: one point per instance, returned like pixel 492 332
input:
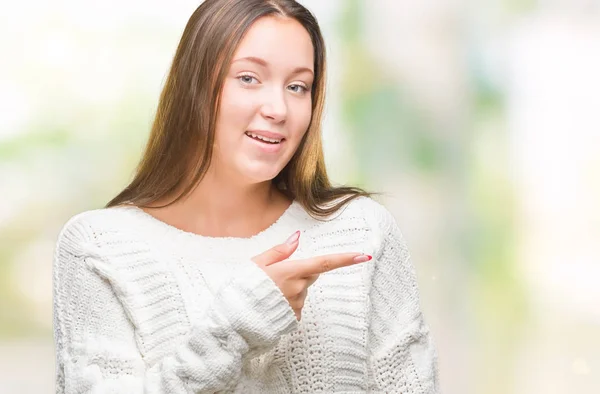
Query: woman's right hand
pixel 293 277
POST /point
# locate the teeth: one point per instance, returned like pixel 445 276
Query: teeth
pixel 260 137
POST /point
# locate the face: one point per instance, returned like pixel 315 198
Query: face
pixel 266 103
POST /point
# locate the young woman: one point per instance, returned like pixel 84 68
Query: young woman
pixel 194 279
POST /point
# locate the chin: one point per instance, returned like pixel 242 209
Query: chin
pixel 259 175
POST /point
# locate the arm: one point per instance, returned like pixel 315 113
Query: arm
pixel 402 355
pixel 96 345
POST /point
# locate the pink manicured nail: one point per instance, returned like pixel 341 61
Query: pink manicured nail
pixel 294 238
pixel 362 258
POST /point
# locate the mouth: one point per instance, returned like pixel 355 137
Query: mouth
pixel 265 140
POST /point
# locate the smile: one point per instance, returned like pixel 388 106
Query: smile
pixel 264 144
pixel 264 139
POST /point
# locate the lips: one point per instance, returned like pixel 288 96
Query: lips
pixel 264 145
pixel 266 134
pixel 262 141
pixel 268 138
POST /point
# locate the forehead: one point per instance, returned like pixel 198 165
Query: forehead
pixel 281 42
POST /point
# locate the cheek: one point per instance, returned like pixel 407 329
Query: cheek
pixel 235 110
pixel 302 117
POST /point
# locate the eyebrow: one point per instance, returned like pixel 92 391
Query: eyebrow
pixel 263 63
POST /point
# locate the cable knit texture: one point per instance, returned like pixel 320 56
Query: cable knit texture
pixel 143 307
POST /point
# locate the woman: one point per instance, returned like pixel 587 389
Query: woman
pixel 185 282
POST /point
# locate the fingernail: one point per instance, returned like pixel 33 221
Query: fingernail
pixel 294 238
pixel 362 258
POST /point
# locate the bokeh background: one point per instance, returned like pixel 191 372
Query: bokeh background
pixel 480 120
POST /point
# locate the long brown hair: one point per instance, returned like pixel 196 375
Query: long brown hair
pixel 179 150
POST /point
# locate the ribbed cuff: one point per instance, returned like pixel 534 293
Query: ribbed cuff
pixel 255 307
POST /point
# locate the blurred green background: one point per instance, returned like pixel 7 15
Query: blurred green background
pixel 479 120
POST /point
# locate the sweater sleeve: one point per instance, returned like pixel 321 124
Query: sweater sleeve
pixel 402 355
pixel 97 350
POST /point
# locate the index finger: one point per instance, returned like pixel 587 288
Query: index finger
pixel 329 262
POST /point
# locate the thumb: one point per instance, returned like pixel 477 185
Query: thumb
pixel 279 252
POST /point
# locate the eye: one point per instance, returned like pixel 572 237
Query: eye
pixel 296 88
pixel 247 79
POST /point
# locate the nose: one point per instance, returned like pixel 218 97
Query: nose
pixel 274 107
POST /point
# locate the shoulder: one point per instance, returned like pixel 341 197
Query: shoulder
pixel 89 226
pixel 371 209
pixel 375 218
pixel 94 239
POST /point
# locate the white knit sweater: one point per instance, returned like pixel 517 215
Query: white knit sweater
pixel 143 307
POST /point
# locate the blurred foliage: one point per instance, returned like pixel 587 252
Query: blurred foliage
pixel 381 118
pixel 385 121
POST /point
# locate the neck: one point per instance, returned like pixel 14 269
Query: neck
pixel 220 200
pixel 220 207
